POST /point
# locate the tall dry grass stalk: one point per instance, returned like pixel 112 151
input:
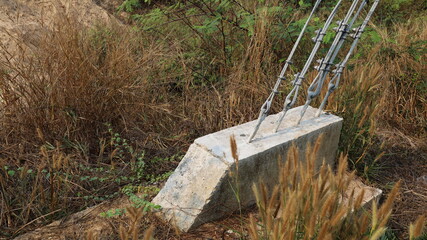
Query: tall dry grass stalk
pixel 234 175
pixel 416 229
pixel 72 83
pixel 132 232
pixel 313 205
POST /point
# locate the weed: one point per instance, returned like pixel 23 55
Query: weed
pixel 112 213
pixel 416 229
pixel 234 175
pixel 314 205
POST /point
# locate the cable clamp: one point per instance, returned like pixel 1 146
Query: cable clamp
pixel 319 35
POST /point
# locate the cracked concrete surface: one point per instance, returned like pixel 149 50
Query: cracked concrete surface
pixel 203 187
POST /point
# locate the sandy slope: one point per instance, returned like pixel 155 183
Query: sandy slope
pixel 25 19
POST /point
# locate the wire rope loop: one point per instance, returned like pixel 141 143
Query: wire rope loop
pixel 288 104
pixel 311 94
pixel 265 108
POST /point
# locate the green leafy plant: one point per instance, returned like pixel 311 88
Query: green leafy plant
pixel 131 5
pixel 138 201
pixel 113 213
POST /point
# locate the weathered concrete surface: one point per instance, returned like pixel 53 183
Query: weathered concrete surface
pixel 370 194
pixel 203 187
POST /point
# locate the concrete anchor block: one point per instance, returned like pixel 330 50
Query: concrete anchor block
pixel 370 194
pixel 203 188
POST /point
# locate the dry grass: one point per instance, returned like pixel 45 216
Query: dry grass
pixel 163 90
pixel 127 78
pixel 309 205
pixel 74 82
pixel 404 73
pixel 416 229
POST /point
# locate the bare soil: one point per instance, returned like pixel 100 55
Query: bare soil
pixel 234 226
pixel 409 166
pixel 24 19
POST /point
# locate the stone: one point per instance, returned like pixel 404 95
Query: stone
pixel 208 184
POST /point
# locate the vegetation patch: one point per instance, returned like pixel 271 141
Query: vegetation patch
pixel 88 114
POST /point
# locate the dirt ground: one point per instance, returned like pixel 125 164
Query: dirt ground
pixel 78 225
pixel 411 169
pixel 25 19
pixel 94 221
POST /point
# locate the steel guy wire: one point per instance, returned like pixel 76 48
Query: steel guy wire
pixel 334 82
pixel 299 77
pixel 265 108
pixel 325 63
